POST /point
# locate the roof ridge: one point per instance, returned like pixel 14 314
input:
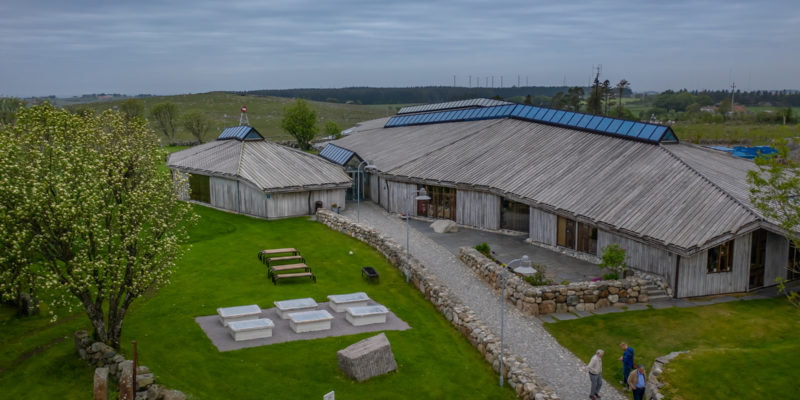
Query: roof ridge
pixel 712 183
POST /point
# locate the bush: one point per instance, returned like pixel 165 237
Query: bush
pixel 484 249
pixel 611 276
pixel 613 258
pixel 538 279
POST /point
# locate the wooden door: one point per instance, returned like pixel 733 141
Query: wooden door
pixel 758 255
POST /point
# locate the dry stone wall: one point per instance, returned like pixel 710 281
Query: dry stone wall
pixel 537 300
pixel 519 375
pixel 109 363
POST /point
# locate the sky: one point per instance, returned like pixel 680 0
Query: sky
pixel 68 48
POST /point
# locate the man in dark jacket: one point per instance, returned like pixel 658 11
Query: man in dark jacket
pixel 627 362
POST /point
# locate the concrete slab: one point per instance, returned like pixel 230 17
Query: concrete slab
pixel 607 310
pixel 282 331
pixel 564 316
pixel 547 318
pixel 637 307
pixel 662 304
pixel 582 314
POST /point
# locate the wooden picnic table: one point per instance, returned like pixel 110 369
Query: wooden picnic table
pixel 267 252
pixel 269 260
pixel 288 267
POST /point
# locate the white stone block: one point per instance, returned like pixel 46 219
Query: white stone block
pixel 341 302
pixel 251 329
pixel 368 315
pixel 286 307
pixel 240 313
pixel 310 321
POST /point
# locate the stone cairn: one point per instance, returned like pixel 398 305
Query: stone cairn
pixel 519 375
pixel 367 358
pixel 537 300
pixel 110 364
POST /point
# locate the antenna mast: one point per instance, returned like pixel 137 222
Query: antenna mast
pixel 243 121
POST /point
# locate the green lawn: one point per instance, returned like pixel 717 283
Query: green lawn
pixel 742 350
pixel 221 269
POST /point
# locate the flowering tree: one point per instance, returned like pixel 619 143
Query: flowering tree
pixel 94 206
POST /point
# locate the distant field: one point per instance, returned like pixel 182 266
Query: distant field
pixel 265 113
pixel 734 133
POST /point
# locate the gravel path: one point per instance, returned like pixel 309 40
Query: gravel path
pixel 524 335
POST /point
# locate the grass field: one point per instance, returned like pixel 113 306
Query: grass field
pixel 738 350
pixel 221 269
pixel 734 133
pixel 265 113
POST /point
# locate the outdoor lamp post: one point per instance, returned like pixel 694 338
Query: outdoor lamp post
pixel 524 261
pixel 359 186
pixel 422 195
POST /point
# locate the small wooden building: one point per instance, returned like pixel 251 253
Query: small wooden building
pixel 243 173
pixel 576 183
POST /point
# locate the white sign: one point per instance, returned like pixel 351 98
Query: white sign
pixel 329 396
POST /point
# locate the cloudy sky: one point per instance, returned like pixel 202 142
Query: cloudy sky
pixel 73 47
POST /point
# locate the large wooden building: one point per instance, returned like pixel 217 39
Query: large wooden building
pixel 243 173
pixel 576 183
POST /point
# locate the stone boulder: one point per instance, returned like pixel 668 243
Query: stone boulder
pixel 444 226
pixel 367 358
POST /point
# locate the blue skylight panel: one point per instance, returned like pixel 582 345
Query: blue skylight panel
pixel 596 120
pixel 540 115
pixel 471 113
pixel 646 131
pixel 518 110
pixel 565 119
pixel 555 117
pixel 492 112
pixel 507 109
pixel 657 133
pixel 604 123
pixel 576 117
pixel 549 114
pixel 615 124
pixel 624 128
pixel 461 114
pixel 585 118
pixel 531 112
pixel 669 136
pixel 635 129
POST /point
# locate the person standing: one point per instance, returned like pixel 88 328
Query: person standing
pixel 637 381
pixel 595 368
pixel 627 362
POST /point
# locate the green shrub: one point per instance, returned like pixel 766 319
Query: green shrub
pixel 612 276
pixel 565 282
pixel 538 279
pixel 613 258
pixel 484 249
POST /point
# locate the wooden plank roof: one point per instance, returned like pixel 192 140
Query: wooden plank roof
pixel 673 195
pixel 271 167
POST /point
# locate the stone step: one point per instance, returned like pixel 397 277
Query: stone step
pixel 658 297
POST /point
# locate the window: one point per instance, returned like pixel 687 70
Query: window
pixel 566 233
pixel 199 188
pixel 577 235
pixel 720 258
pixel 442 204
pixel 514 216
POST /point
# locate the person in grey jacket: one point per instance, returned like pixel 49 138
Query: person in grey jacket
pixel 595 369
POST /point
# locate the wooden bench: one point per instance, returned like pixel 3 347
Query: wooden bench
pixel 310 321
pixel 370 274
pixel 240 313
pixel 341 302
pixel 286 307
pixel 288 267
pixel 268 252
pixel 269 260
pixel 251 329
pixel 276 277
pixel 368 315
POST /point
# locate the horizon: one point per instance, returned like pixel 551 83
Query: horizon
pixel 150 47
